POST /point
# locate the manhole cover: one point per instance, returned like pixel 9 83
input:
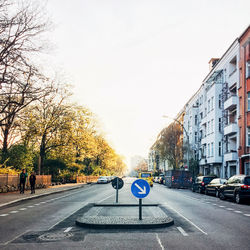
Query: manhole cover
pixel 54 236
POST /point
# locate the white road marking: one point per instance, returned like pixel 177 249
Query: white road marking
pixel 214 204
pixel 247 214
pixel 14 212
pixel 230 209
pixel 24 208
pixel 182 231
pixel 238 212
pixel 67 230
pixel 2 215
pixel 7 242
pixel 105 198
pixel 43 202
pixel 159 241
pixel 37 204
pixel 221 206
pixel 30 206
pixel 186 219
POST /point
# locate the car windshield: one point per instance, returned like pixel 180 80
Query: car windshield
pixel 247 181
pixel 145 175
pixel 207 179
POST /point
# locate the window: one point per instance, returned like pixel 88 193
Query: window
pixel 208 106
pixel 212 103
pixel 212 149
pixel 248 136
pixel 247 69
pixel 248 101
pixel 201 115
pixel 212 125
pixel 195 137
pixel 195 120
pixel 208 128
pixel 219 124
pixel 220 101
pixel 208 150
pixel 205 111
pixel 219 152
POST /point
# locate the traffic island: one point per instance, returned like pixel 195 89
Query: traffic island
pixel 124 216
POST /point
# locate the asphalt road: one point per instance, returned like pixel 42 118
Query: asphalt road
pixel 201 222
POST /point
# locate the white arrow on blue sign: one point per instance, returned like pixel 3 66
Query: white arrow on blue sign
pixel 140 188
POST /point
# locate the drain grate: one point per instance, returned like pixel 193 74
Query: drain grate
pixel 55 236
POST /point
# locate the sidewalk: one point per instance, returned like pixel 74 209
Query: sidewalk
pixel 7 199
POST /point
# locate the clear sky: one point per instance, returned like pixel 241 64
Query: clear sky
pixel 133 61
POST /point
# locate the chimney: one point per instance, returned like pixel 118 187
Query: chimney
pixel 212 63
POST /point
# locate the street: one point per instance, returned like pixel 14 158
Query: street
pixel 200 222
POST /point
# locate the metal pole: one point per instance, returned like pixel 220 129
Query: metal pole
pixel 117 190
pixel 140 209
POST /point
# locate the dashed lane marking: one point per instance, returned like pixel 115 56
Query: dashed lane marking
pixel 14 212
pixel 221 206
pixel 229 208
pixel 247 214
pixel 182 231
pixel 23 208
pixel 2 215
pixel 238 212
pixel 30 206
pixel 67 229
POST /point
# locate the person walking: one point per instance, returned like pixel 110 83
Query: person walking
pixel 32 182
pixel 23 177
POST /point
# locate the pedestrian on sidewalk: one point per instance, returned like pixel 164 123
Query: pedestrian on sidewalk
pixel 23 177
pixel 32 182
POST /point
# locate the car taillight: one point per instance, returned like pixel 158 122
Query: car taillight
pixel 203 184
pixel 172 178
pixel 244 186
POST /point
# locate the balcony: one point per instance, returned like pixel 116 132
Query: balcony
pixel 233 78
pixel 231 129
pixel 203 161
pixel 203 140
pixel 231 102
pixel 231 156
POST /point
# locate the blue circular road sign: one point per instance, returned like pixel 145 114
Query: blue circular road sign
pixel 140 188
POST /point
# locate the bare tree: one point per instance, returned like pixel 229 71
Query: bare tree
pixel 21 82
pixel 169 145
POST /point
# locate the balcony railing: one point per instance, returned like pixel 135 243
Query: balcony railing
pixel 231 102
pixel 231 129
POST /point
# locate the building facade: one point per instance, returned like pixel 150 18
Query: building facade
pixel 244 97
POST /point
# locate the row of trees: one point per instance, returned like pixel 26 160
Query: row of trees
pixel 170 146
pixel 40 128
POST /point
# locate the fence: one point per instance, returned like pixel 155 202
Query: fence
pixel 11 182
pixel 86 179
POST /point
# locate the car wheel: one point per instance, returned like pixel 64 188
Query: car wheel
pixel 221 195
pixel 237 198
pixel 217 193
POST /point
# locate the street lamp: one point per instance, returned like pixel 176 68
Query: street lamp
pixel 188 164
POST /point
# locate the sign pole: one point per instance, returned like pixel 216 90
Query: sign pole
pixel 116 190
pixel 140 209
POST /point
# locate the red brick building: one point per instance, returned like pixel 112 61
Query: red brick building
pixel 244 101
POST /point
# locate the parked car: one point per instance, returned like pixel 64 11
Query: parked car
pixel 156 179
pixel 102 179
pixel 237 187
pixel 161 179
pixel 214 186
pixel 200 182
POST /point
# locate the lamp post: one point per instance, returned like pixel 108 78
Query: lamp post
pixel 188 164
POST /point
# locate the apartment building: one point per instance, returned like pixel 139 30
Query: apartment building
pixel 244 97
pixel 211 117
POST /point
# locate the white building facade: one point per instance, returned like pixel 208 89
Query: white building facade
pixel 211 118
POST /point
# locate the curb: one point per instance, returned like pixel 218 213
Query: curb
pixel 118 222
pixel 167 223
pixel 38 196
